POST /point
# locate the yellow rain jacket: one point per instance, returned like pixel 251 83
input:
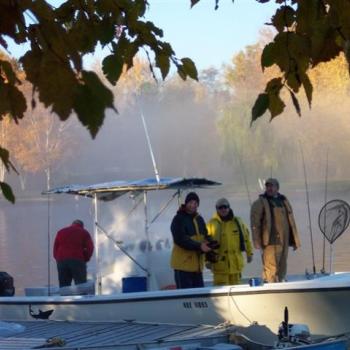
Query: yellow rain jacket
pixel 188 231
pixel 227 233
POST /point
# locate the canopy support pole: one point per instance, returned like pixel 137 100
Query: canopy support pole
pixel 148 245
pixel 98 281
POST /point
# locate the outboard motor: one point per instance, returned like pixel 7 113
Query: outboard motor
pixel 292 334
pixel 7 288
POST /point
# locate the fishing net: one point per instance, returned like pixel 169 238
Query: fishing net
pixel 334 218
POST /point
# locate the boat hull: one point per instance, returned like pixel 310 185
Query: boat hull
pixel 321 304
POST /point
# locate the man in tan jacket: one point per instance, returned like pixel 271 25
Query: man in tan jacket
pixel 274 231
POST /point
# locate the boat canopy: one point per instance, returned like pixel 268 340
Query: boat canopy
pixel 108 191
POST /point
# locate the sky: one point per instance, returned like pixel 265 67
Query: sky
pixel 209 37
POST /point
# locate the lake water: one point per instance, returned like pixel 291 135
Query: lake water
pixel 28 228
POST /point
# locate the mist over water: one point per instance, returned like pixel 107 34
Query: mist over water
pixel 189 138
pixel 24 238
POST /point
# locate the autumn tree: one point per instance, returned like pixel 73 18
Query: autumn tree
pixel 4 141
pixel 59 38
pixel 309 32
pixel 41 143
pixel 274 148
pixel 256 144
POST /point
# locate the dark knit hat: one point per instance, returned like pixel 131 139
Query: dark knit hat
pixel 78 222
pixel 272 181
pixel 192 196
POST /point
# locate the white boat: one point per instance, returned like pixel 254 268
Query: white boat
pixel 321 301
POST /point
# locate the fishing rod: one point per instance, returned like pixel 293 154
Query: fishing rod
pixel 48 244
pixel 308 209
pixel 243 173
pixel 325 201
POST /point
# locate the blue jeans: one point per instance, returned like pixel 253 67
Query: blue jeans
pixel 184 279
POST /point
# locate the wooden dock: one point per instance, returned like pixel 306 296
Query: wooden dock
pixel 113 335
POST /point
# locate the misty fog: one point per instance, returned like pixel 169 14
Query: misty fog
pixel 196 130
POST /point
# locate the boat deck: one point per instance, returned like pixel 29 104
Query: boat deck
pixel 112 335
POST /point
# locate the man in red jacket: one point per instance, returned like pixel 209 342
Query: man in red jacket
pixel 72 249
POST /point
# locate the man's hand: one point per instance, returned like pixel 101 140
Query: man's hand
pixel 249 258
pixel 208 265
pixel 257 245
pixel 205 248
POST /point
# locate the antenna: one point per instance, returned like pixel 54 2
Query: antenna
pixel 156 173
pixel 149 144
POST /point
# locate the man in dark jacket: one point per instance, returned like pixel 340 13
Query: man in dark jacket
pixel 190 242
pixel 72 249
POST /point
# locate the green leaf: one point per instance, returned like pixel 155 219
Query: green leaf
pixel 53 78
pixel 42 10
pixel 112 67
pixel 12 101
pixel 276 105
pixel 157 31
pixel 181 72
pixel 5 158
pixel 293 80
pixel 167 49
pixel 194 2
pixel 268 56
pixel 274 86
pixel 7 68
pixel 307 87
pixel 105 32
pixel 91 102
pixel 284 17
pixel 17 102
pixel 107 6
pixel 7 192
pixel 295 103
pixel 260 106
pixel 189 68
pixel 280 52
pixel 163 63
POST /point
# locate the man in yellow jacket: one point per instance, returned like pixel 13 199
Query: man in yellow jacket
pixel 233 237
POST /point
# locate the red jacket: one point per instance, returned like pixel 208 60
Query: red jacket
pixel 73 242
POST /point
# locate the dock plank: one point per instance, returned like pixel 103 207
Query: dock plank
pixel 108 335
